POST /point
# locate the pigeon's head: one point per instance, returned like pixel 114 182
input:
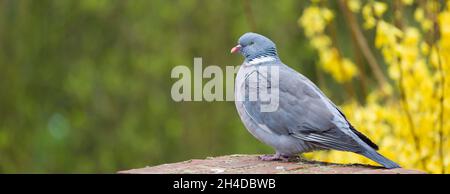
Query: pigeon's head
pixel 252 45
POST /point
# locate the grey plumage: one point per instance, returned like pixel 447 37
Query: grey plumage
pixel 305 120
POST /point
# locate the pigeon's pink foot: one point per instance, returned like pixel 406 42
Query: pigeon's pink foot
pixel 270 157
pixel 277 157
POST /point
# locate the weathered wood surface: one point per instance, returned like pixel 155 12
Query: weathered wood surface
pixel 250 164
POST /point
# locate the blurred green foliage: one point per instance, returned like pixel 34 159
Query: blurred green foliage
pixel 85 84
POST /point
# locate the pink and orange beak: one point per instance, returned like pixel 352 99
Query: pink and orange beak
pixel 236 49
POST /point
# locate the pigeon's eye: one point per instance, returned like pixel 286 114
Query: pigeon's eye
pixel 251 43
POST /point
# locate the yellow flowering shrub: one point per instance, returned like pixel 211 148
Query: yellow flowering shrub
pixel 314 20
pixel 410 124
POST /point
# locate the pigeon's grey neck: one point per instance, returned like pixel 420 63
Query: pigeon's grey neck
pixel 265 53
pixel 268 55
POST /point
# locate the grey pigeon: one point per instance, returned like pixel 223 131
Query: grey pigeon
pixel 304 119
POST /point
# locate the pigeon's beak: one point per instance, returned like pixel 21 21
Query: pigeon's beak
pixel 236 49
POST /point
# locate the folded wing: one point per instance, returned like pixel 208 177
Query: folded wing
pixel 303 111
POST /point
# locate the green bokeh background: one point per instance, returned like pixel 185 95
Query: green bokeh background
pixel 85 85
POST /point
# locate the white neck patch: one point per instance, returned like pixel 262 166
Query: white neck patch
pixel 259 60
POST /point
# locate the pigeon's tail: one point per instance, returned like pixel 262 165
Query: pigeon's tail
pixel 375 156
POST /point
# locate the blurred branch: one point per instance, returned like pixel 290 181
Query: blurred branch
pixel 441 113
pixel 347 85
pixel 436 36
pixel 249 15
pixel 398 14
pixel 362 43
pixel 429 34
pixel 362 72
pixel 408 113
pixel 359 62
pixel 402 90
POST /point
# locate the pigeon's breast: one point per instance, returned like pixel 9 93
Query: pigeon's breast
pixel 240 91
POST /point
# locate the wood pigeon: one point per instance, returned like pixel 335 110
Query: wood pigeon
pixel 303 119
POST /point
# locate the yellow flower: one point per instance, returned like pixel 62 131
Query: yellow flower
pixel 444 24
pixel 321 42
pixel 419 14
pixel 327 15
pixel 379 8
pixel 369 19
pixel 354 5
pixel 387 34
pixel 314 20
pixel 341 69
pixel 407 2
pixel 424 48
